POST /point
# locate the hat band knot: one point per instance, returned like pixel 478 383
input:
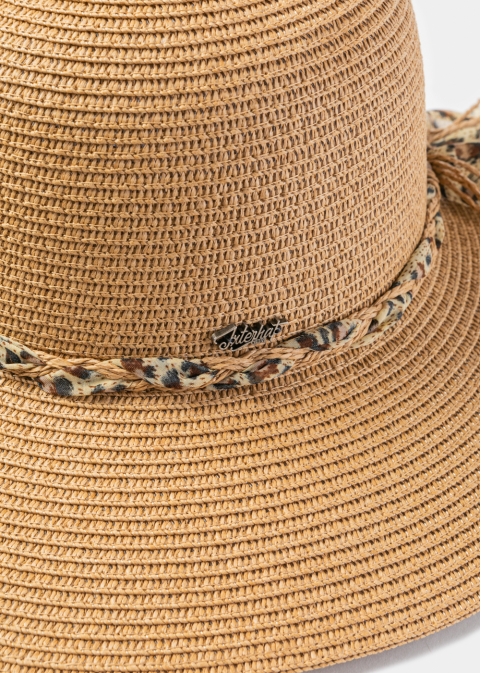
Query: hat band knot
pixel 453 152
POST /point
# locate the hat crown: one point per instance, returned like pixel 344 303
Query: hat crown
pixel 169 169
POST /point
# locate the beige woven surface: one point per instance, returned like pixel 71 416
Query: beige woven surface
pixel 324 516
pixel 168 169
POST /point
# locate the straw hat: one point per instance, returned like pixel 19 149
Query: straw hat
pixel 222 448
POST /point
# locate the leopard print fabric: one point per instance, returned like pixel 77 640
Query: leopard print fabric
pixel 461 145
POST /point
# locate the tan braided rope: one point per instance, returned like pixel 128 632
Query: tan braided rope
pixel 459 180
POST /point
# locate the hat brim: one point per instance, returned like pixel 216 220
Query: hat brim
pixel 320 517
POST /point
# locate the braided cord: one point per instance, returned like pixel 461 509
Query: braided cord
pixel 83 376
pixel 453 170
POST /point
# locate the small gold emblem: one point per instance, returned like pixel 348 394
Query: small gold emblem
pixel 233 337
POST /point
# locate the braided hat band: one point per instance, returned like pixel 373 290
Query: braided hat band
pixel 85 377
pixel 453 155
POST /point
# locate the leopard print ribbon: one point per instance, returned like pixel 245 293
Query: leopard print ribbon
pixel 453 152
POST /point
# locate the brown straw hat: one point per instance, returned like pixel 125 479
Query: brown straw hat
pixel 222 449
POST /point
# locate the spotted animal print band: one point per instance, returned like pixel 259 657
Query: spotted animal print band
pixel 453 156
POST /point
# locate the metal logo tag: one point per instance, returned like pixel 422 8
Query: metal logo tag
pixel 233 337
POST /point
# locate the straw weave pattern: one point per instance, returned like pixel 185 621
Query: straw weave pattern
pixel 322 516
pixel 168 168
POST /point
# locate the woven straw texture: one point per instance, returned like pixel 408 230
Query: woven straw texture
pixel 168 169
pixel 320 517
